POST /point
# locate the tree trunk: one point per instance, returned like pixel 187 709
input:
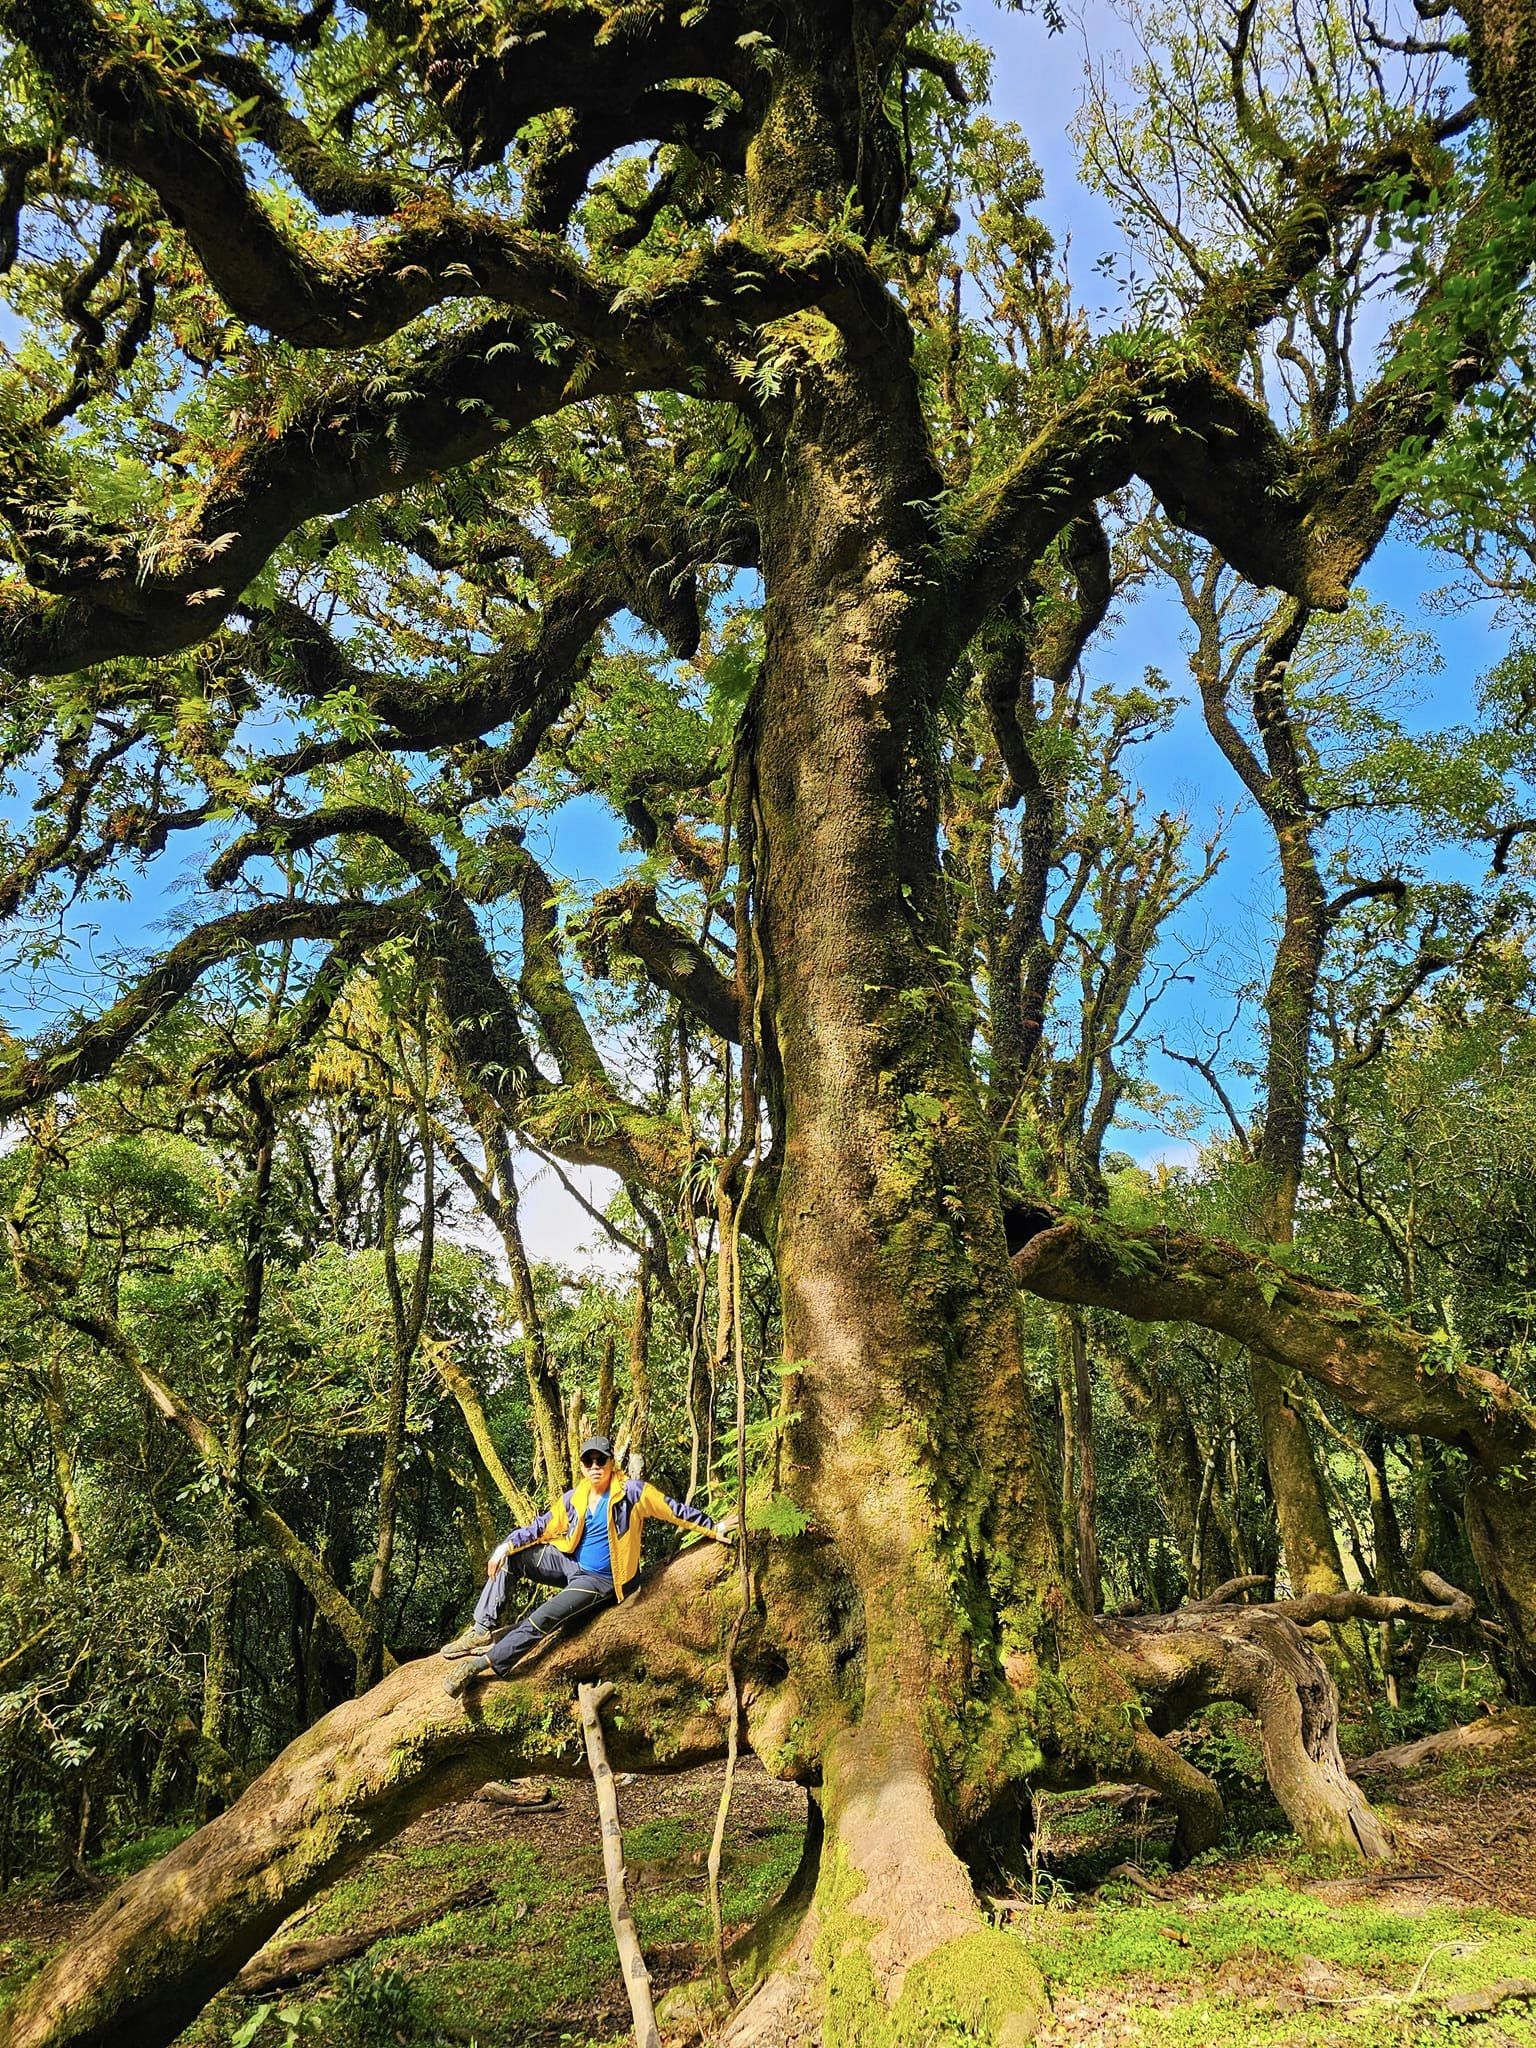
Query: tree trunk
pixel 546 1401
pixel 1186 1478
pixel 637 1421
pixel 407 1318
pixel 1198 1655
pixel 1080 1476
pixel 56 1416
pixel 1306 1530
pixel 219 1674
pixel 915 1445
pixel 1278 784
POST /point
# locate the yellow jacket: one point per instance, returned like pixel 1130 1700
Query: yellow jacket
pixel 631 1503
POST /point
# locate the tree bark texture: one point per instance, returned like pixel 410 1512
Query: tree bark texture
pixel 915 1444
pixel 1306 1529
pixel 1184 1660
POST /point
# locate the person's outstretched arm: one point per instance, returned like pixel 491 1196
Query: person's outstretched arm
pixel 655 1503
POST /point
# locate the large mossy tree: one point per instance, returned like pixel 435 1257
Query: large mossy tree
pixel 379 356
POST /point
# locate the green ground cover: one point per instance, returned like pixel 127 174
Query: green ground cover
pixel 1258 1946
pixel 533 1963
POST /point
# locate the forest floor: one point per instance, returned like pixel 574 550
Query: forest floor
pixel 1257 1946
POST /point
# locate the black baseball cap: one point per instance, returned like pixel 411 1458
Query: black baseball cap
pixel 597 1443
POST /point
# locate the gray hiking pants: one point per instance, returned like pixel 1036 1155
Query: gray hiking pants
pixel 581 1593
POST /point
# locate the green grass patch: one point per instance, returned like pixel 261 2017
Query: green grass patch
pixel 20 1961
pixel 1270 1922
pixel 1237 1963
pixel 138 1854
pixel 751 1878
pixel 540 1956
pixel 663 1841
pixel 1233 2021
pixel 414 1874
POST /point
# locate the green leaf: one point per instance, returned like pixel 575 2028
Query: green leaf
pixel 244 2036
pixel 780 1516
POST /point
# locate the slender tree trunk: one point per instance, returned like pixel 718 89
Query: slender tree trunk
pixel 56 1416
pixel 1301 1500
pixel 1306 1529
pixel 1080 1480
pixel 607 1391
pixel 472 1408
pixel 546 1401
pixel 1066 1412
pixel 273 1530
pixel 1278 785
pixel 218 1678
pixel 407 1318
pixel 637 1421
pixel 1186 1478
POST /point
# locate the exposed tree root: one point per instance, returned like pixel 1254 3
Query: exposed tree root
pixel 301 1959
pixel 1258 1656
pixel 1513 1729
pixel 895 1938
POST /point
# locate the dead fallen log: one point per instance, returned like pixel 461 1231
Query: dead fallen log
pixel 276 1968
pixel 1483 1998
pixel 518 1797
pixel 1493 1731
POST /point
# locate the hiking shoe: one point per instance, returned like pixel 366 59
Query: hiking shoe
pixel 469 1642
pixel 458 1682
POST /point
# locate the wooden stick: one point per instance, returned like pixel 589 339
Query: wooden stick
pixel 637 1978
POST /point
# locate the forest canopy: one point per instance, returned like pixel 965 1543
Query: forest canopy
pixel 449 449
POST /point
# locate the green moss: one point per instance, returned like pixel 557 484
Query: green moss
pixel 982 1988
pixel 1276 1924
pixel 415 1871
pixel 20 1962
pixel 1226 1971
pixel 658 1841
pixel 137 1855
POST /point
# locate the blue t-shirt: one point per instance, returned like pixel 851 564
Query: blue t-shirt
pixel 592 1553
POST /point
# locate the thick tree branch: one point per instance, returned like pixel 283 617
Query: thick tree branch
pixel 164 1942
pixel 1216 462
pixel 1377 1366
pixel 67 1060
pixel 628 920
pixel 145 120
pixel 95 597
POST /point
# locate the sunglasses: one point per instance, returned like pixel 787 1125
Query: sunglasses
pixel 594 1461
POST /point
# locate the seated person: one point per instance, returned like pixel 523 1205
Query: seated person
pixel 587 1544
